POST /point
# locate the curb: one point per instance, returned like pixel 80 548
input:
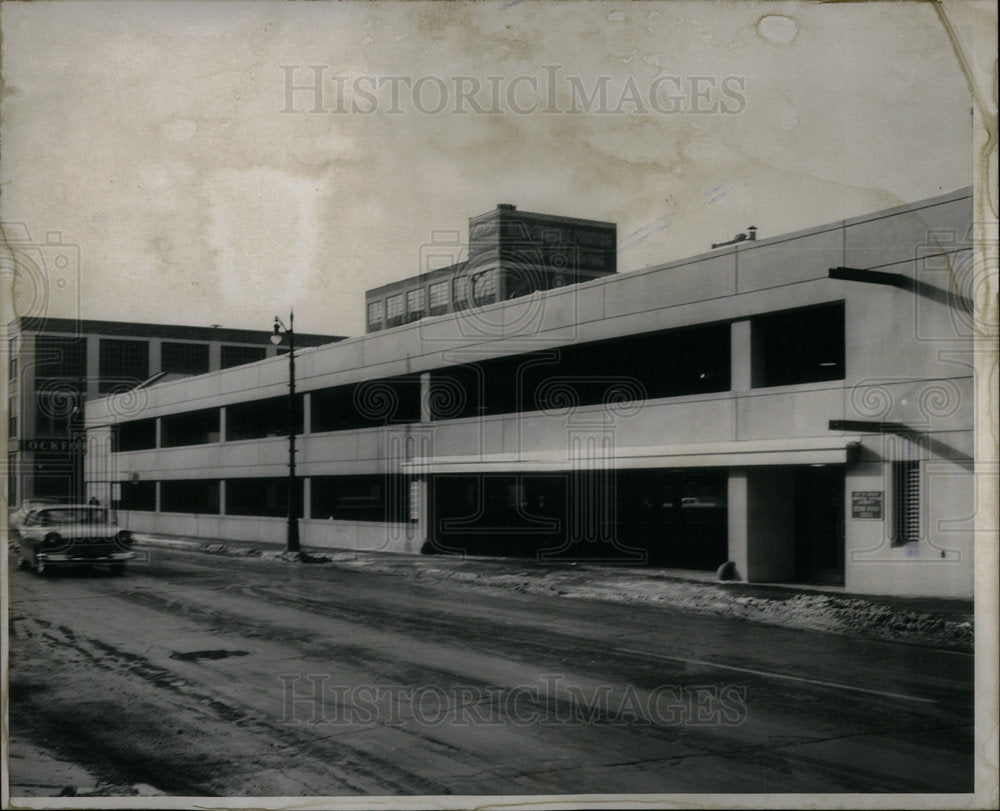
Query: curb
pixel 858 616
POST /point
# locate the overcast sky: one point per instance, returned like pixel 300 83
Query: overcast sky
pixel 164 141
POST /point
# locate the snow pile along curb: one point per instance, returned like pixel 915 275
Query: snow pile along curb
pixel 890 620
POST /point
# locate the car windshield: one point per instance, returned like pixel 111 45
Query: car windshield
pixel 73 515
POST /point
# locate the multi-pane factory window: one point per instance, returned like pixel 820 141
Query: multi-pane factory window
pixel 188 359
pixel 59 357
pixel 415 304
pixel 461 292
pixel 238 355
pixel 484 287
pixel 438 294
pixel 375 314
pixel 394 310
pixel 906 490
pixel 123 364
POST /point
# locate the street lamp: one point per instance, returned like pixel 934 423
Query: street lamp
pixel 292 541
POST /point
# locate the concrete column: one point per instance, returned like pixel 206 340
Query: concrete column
pixel 306 483
pixel 737 515
pixel 159 431
pixel 306 413
pixel 222 496
pixel 155 356
pixel 157 488
pixel 222 424
pixel 425 399
pixel 741 364
pixel 93 367
pixel 423 510
pixel 214 356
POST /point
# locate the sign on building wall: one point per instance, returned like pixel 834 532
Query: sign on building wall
pixel 866 504
pixel 52 445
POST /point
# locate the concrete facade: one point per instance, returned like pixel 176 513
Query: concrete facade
pixel 861 476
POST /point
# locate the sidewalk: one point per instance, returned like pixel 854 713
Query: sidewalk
pixel 934 622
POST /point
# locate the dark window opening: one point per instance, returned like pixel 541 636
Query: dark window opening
pixel 138 496
pixel 360 498
pixel 190 496
pixel 798 346
pixel 190 428
pixel 12 471
pixel 670 363
pixel 262 418
pixel 136 435
pixel 385 401
pixel 238 355
pixel 13 347
pixel 58 407
pixel 261 497
pixel 188 359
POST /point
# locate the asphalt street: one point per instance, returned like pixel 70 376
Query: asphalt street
pixel 198 675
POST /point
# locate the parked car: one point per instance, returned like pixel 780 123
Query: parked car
pixel 16 518
pixel 71 535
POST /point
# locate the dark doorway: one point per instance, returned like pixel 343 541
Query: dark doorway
pixel 819 525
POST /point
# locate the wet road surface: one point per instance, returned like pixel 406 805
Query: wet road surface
pixel 198 675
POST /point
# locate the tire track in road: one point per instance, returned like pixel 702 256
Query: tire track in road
pixel 239 740
pixel 88 727
pixel 506 638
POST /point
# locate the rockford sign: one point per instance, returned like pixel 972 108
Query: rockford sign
pixel 52 445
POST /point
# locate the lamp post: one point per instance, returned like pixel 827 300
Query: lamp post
pixel 292 540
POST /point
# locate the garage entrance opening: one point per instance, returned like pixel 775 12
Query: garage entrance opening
pixel 669 518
